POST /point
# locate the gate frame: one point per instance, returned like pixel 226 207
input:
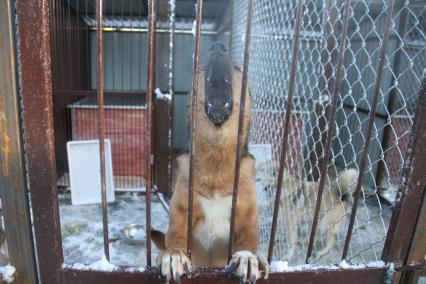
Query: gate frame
pixel 13 182
pixel 33 26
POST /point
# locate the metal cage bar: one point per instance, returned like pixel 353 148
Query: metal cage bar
pixel 101 123
pixel 171 85
pixel 371 119
pixel 34 45
pixel 37 105
pixel 411 189
pixel 218 275
pixel 194 101
pixel 240 127
pixel 286 127
pixel 152 7
pixel 13 181
pixel 330 131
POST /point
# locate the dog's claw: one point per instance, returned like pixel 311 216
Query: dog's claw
pixel 264 266
pixel 172 264
pixel 233 265
pixel 248 267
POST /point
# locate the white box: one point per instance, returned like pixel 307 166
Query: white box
pixel 85 174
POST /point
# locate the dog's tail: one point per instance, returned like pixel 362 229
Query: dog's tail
pixel 159 239
pixel 346 184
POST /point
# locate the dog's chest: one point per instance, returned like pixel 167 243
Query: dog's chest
pixel 215 225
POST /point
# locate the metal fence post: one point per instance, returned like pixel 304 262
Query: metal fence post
pixel 13 188
pixel 37 112
pixel 411 191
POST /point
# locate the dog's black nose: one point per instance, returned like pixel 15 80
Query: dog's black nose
pixel 218 47
pixel 218 113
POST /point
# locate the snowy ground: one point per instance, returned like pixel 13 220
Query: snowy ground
pixel 81 228
pixel 82 232
pixel 366 243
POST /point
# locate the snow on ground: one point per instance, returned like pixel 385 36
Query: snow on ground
pixel 83 241
pixel 282 266
pixel 366 243
pixel 6 273
pixel 82 237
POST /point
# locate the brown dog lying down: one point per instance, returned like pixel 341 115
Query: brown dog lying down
pixel 299 206
pixel 214 161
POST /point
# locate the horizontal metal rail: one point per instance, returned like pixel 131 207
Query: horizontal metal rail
pixel 129 275
pixel 160 31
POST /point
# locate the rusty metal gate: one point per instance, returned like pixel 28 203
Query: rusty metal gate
pixel 29 171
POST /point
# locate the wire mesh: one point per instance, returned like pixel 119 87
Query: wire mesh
pixel 272 42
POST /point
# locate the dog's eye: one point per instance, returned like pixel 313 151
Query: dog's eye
pixel 227 104
pixel 226 80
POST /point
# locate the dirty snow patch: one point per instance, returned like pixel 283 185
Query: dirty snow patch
pixel 101 265
pixel 282 266
pixel 6 273
pixel 161 96
pixel 194 27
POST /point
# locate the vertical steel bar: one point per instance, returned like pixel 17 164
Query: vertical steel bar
pixel 330 132
pixel 101 122
pixel 396 69
pixel 87 47
pixel 417 249
pixel 411 188
pixel 231 24
pixel 152 7
pixel 77 32
pixel 322 108
pixel 172 25
pixel 68 31
pixel 33 28
pixel 240 126
pixel 13 185
pixel 292 79
pixel 371 119
pixel 194 102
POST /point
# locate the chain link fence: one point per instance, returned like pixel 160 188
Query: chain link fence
pixel 269 71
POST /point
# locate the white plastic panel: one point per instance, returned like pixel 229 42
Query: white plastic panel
pixel 85 173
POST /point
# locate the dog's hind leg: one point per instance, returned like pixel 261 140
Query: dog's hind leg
pixel 291 222
pixel 329 230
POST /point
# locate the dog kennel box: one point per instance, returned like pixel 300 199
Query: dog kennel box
pixel 124 127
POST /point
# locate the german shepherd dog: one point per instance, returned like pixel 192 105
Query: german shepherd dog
pixel 219 87
pixel 299 206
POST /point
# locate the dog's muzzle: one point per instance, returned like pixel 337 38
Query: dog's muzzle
pixel 218 114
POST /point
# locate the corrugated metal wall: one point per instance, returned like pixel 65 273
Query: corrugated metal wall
pixel 125 68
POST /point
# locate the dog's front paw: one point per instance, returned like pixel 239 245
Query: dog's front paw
pixel 172 264
pixel 248 267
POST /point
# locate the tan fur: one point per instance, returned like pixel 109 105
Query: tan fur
pixel 214 162
pixel 300 204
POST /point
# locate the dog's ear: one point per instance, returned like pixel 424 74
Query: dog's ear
pixel 159 239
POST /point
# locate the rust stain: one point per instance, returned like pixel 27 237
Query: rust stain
pixel 5 147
